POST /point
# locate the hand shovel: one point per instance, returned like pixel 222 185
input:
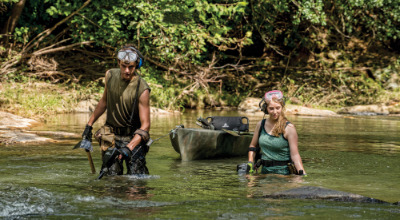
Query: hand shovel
pixel 87 145
pixel 234 133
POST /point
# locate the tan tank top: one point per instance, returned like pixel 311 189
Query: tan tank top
pixel 120 99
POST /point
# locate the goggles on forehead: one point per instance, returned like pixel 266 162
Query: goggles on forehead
pixel 127 56
pixel 273 94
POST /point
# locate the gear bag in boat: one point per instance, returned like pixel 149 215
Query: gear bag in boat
pixel 229 123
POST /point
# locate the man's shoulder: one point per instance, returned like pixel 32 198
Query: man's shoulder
pixel 114 70
pixel 111 73
pixel 144 83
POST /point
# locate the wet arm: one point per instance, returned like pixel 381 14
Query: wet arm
pixel 144 115
pixel 254 142
pixel 292 137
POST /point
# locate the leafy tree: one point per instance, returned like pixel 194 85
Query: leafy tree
pixel 202 47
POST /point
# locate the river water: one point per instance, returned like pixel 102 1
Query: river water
pixel 352 154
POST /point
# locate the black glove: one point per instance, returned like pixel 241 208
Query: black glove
pixel 87 133
pixel 126 153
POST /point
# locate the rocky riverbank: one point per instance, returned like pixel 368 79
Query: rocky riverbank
pixel 16 129
pixel 251 105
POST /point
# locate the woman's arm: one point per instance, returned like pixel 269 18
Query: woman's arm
pixel 254 142
pixel 292 137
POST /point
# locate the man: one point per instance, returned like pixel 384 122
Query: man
pixel 126 98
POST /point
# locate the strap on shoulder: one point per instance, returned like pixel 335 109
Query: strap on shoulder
pixel 261 127
pixel 136 100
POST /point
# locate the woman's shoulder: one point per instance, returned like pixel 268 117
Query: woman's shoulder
pixel 263 121
pixel 258 125
pixel 290 126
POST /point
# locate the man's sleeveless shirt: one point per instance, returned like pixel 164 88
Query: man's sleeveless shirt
pixel 121 96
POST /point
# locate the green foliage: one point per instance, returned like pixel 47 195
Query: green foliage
pixel 190 30
pixel 186 39
pixel 21 34
pixel 378 19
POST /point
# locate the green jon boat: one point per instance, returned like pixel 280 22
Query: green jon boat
pixel 196 144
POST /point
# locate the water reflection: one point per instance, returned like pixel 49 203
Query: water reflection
pixel 130 187
pixel 266 184
pixel 357 155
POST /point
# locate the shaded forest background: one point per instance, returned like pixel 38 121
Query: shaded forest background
pixel 210 53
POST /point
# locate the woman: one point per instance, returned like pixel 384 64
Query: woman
pixel 276 137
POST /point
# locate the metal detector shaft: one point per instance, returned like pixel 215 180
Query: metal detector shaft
pixel 151 141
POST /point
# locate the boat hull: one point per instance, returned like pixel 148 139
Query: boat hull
pixel 197 144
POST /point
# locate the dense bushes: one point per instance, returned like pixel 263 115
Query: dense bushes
pixel 228 48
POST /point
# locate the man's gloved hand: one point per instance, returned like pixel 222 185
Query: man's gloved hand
pixel 250 166
pixel 126 153
pixel 87 133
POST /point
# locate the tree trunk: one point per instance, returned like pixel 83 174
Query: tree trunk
pixel 9 26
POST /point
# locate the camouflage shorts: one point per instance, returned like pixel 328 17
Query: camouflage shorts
pixel 105 137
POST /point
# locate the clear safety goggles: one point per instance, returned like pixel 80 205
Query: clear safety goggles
pixel 127 56
pixel 273 94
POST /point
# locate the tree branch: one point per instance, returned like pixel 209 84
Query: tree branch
pixel 62 48
pixel 47 32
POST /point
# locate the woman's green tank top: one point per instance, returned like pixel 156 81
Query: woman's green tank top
pixel 121 96
pixel 274 148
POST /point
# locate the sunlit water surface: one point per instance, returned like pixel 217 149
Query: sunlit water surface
pixel 352 154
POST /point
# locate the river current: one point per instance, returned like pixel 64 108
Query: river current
pixel 355 154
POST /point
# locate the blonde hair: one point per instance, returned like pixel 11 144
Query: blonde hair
pixel 280 125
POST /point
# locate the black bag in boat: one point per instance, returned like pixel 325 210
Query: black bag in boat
pixel 229 123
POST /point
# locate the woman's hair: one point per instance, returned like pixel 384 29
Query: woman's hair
pixel 280 125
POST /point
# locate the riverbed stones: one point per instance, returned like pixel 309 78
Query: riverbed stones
pixel 15 129
pixel 86 106
pixel 11 121
pixel 11 127
pixel 365 110
pixel 302 110
pixel 251 105
pixel 12 137
pixel 159 111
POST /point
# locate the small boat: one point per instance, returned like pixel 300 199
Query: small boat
pixel 196 144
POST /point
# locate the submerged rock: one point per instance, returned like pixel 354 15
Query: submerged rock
pixel 11 121
pixel 11 130
pixel 311 192
pixel 11 137
pixel 56 134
